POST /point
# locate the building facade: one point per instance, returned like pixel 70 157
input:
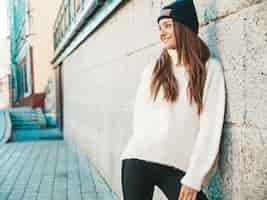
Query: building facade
pixel 31 35
pixel 5 76
pixel 99 59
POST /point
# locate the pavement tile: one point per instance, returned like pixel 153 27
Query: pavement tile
pixel 40 170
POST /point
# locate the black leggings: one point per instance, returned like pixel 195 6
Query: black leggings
pixel 138 178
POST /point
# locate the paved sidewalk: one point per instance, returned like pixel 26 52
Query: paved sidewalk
pixel 44 170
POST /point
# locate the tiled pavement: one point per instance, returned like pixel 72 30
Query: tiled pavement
pixel 49 169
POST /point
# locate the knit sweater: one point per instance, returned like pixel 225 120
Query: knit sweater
pixel 174 134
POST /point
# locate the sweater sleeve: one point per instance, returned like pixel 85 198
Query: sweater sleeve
pixel 207 142
pixel 141 92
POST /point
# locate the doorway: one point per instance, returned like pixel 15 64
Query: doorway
pixel 59 97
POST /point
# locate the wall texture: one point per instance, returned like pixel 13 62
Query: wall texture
pixel 101 78
pixel 42 17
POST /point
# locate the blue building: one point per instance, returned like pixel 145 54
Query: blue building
pixel 21 51
pixel 31 36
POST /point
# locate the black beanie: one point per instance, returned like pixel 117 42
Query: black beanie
pixel 182 11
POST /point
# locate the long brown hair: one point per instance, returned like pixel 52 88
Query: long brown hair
pixel 194 53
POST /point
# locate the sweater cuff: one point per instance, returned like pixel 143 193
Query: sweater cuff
pixel 192 182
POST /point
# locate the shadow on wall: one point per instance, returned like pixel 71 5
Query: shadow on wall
pixel 216 187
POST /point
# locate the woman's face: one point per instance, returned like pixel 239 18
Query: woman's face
pixel 167 35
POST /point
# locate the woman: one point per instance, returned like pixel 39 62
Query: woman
pixel 178 114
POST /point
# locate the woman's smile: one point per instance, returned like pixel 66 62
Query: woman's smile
pixel 166 39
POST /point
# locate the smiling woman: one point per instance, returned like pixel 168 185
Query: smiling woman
pixel 176 134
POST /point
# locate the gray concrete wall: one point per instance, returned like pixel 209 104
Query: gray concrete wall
pixel 101 78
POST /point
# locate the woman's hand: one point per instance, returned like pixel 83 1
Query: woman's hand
pixel 187 193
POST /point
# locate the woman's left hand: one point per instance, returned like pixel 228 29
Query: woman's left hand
pixel 187 193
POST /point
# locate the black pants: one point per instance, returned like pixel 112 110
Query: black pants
pixel 138 178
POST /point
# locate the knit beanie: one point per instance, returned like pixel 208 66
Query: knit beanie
pixel 182 11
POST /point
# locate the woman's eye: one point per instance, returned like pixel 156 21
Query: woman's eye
pixel 165 26
pixel 168 25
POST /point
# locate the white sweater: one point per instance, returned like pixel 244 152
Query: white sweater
pixel 174 134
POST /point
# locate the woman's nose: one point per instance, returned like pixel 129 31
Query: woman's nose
pixel 162 33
